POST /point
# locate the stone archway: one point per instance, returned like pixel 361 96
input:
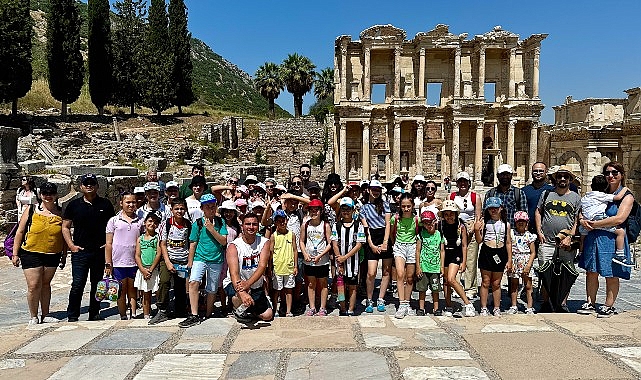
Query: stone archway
pixel 565 158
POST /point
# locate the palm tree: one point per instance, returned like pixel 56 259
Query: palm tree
pixel 269 83
pixel 298 74
pixel 324 84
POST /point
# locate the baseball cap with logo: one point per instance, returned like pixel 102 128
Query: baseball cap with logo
pixel 88 178
pixel 463 175
pixel 151 186
pixel 207 198
pixel 375 183
pixel 427 216
pixel 347 201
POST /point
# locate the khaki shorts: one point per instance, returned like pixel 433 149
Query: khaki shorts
pixel 429 281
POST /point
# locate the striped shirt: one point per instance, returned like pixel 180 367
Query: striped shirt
pixel 374 220
pixel 347 238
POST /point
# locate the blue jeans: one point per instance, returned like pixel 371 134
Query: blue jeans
pixel 83 264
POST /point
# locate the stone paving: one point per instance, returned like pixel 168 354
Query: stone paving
pixel 369 346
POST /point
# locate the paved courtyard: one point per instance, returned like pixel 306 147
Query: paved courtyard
pixel 377 346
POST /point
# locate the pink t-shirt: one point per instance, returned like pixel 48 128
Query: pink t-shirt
pixel 125 234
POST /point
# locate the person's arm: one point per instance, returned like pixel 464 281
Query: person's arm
pixel 383 248
pixel 267 214
pixel 221 237
pixel 294 255
pixel 419 272
pixel 478 207
pixel 109 253
pixel 478 227
pixel 461 268
pixel 231 255
pixel 530 261
pixel 17 240
pixel 138 258
pixel 442 254
pixel 301 243
pixel 295 197
pixel 334 200
pixel 621 194
pixel 192 253
pixel 508 246
pixel 537 221
pixel 66 234
pixel 619 218
pixel 217 190
pixel 157 259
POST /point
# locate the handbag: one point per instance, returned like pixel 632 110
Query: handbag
pixel 108 289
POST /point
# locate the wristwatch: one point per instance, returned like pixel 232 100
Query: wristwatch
pixel 107 266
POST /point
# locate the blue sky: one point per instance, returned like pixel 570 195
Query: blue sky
pixel 593 48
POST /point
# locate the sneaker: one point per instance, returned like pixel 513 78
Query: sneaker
pixel 623 261
pixel 563 309
pixel 497 312
pixel 420 312
pixel 468 310
pixel 310 312
pixel 288 315
pixel 586 309
pixel 470 295
pixel 455 295
pixel 437 313
pixel 370 307
pixel 512 310
pixel 350 313
pixel 401 312
pixel 448 312
pixel 606 311
pixel 322 313
pixel 529 311
pixel 380 305
pixel 243 318
pixel 124 318
pixel 96 317
pixel 50 320
pixel 34 321
pixel 192 320
pixel 161 316
pixel 484 312
pixel 411 312
pixel 72 319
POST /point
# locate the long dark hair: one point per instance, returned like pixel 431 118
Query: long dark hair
pixel 332 179
pixel 415 193
pixel 403 197
pixel 32 184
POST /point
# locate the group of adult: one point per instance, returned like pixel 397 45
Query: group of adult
pixel 46 233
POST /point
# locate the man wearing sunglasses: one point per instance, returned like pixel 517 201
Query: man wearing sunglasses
pixel 534 190
pixel 305 173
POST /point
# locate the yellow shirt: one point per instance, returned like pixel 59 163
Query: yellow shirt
pixel 283 254
pixel 44 235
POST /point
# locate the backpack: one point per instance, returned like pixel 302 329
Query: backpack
pixel 472 195
pixel 417 227
pixel 633 223
pixel 11 237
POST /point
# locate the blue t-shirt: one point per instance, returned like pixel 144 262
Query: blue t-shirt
pixel 208 249
pixel 533 195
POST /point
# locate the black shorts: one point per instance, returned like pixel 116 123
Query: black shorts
pixel 319 271
pixel 377 235
pixel 261 303
pixel 30 260
pixel 351 281
pixel 487 259
pixel 452 257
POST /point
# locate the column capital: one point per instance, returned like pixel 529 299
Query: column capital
pixel 367 50
pixel 397 124
pixel 511 123
pixel 422 51
pixel 456 123
pixel 397 50
pixel 343 124
pixel 367 123
pixel 534 124
pixel 343 49
pixel 420 123
pixel 480 124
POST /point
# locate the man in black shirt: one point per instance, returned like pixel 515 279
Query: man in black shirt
pixel 89 216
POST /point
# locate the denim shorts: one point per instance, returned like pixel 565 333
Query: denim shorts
pixel 200 268
pixel 407 251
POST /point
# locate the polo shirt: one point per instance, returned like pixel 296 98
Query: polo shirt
pixel 89 221
pixel 185 192
pixel 208 249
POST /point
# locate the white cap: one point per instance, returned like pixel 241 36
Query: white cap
pixel 261 185
pixel 171 184
pixel 139 189
pixel 280 188
pixel 419 177
pixel 375 183
pixel 397 189
pixel 152 186
pixel 258 203
pixel 463 175
pixel 504 168
pixel 228 205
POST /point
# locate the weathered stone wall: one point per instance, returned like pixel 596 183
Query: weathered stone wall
pixel 288 143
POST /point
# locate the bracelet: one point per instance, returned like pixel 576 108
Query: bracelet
pixel 107 265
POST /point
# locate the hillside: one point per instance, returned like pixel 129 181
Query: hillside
pixel 217 83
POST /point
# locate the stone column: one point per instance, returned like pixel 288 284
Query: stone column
pixel 419 146
pixel 9 169
pixel 366 74
pixel 421 74
pixel 343 148
pixel 396 150
pixel 367 165
pixel 456 154
pixel 481 92
pixel 343 72
pixel 510 73
pixel 478 153
pixel 535 73
pixel 337 159
pixel 511 125
pixel 457 72
pixel 534 144
pixel 397 72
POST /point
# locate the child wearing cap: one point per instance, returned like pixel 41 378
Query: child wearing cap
pixel 348 236
pixel 153 204
pixel 523 255
pixel 284 269
pixel 494 236
pixel 430 253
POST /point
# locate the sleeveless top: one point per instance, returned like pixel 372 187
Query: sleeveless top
pixel 452 238
pixel 44 235
pixel 495 230
pixel 148 250
pixel 248 259
pixel 316 243
pixel 283 255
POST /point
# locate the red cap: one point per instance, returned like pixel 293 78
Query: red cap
pixel 315 203
pixel 428 215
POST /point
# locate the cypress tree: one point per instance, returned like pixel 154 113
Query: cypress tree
pixel 127 48
pixel 99 55
pixel 158 91
pixel 180 39
pixel 16 30
pixel 66 66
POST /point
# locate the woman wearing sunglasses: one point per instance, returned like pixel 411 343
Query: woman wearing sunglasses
pixel 26 195
pixel 599 246
pixel 430 202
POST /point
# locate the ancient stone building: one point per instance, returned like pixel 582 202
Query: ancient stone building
pixel 486 111
pixel 589 133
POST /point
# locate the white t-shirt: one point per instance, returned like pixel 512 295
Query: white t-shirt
pixel 193 209
pixel 315 242
pixel 467 213
pixel 594 203
pixel 248 259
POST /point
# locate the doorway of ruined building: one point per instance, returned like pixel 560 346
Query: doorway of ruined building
pixel 381 165
pixel 489 162
pixel 433 94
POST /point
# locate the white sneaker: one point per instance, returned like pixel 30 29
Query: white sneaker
pixel 34 321
pixel 529 311
pixel 468 310
pixel 401 312
pixel 411 312
pixel 484 312
pixel 50 320
pixel 447 312
pixel 512 310
pixel 497 312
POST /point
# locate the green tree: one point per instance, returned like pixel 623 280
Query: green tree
pixel 324 84
pixel 298 75
pixel 127 48
pixel 65 63
pixel 180 39
pixel 269 83
pixel 99 55
pixel 16 30
pixel 157 90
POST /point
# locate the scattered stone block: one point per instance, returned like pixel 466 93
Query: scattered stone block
pixel 158 163
pixel 32 166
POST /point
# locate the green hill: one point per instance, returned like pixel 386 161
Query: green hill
pixel 217 82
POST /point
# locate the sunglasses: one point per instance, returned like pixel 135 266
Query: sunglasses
pixel 269 187
pixel 563 176
pixel 612 172
pixel 305 172
pixel 430 188
pixel 297 183
pixel 89 184
pixel 538 171
pixel 23 179
pixel 47 193
pixel 232 182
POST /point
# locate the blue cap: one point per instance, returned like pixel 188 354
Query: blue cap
pixel 88 176
pixel 493 202
pixel 279 214
pixel 347 201
pixel 207 198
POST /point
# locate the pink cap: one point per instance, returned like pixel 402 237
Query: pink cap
pixel 521 215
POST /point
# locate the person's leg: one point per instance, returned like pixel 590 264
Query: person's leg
pixel 409 280
pixel 372 266
pixel 311 292
pixel 469 276
pixel 194 294
pixel 611 290
pixel 485 287
pixel 400 274
pixel 592 286
pixel 97 272
pixel 454 284
pixel 434 301
pixel 386 276
pixel 514 287
pixel 45 290
pixel 619 240
pixel 421 300
pixel 288 300
pixel 164 283
pixel 132 293
pixel 34 288
pixel 352 297
pixel 180 295
pixel 322 285
pixel 123 299
pixel 527 284
pixel 496 288
pixel 146 304
pixel 79 273
pixel 211 298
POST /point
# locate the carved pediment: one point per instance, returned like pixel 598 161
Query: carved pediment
pixel 440 35
pixel 498 34
pixel 383 32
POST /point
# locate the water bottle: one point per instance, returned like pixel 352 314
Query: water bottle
pixel 340 287
pixel 240 310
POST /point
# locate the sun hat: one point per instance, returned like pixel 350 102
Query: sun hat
pixel 228 205
pixel 257 203
pixel 207 198
pixel 364 183
pixel 521 215
pixel 427 215
pixel 493 202
pixel 243 189
pixel 250 179
pixel 151 186
pixel 448 205
pixel 346 201
pixel 260 185
pixel 565 169
pixel 504 168
pixel 375 183
pixel 240 202
pixel 463 175
pixel 315 203
pixel 419 178
pixel 280 188
pixel 279 214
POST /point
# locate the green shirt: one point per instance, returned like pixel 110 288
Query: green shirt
pixel 148 250
pixel 405 229
pixel 185 192
pixel 431 251
pixel 208 249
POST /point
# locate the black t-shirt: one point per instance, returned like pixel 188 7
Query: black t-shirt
pixel 89 221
